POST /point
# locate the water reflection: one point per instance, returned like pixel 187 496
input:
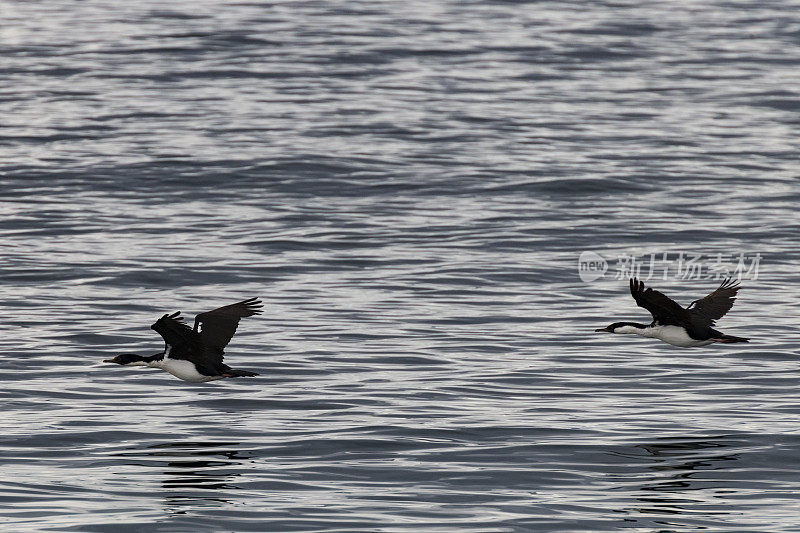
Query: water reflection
pixel 191 470
pixel 673 481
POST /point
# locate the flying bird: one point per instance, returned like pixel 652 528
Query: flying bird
pixel 689 327
pixel 195 354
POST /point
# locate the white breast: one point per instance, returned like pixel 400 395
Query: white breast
pixel 674 335
pixel 184 370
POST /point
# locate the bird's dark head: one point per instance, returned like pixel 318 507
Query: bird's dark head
pixel 622 327
pixel 127 359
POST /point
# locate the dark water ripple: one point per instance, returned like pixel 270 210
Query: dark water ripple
pixel 408 187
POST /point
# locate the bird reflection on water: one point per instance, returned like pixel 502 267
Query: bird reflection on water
pixel 673 482
pixel 190 467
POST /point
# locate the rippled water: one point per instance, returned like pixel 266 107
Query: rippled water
pixel 408 187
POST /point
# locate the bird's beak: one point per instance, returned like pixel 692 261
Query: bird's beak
pixel 603 329
pixel 109 361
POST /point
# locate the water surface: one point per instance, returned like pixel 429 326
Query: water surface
pixel 408 187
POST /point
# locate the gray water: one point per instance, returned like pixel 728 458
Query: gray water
pixel 408 186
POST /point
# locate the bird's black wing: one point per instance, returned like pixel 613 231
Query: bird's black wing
pixel 216 328
pixel 665 310
pixel 179 337
pixel 714 306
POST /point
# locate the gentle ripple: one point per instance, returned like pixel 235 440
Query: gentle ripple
pixel 408 187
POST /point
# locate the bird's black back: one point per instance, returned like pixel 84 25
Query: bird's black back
pixel 204 345
pixel 698 318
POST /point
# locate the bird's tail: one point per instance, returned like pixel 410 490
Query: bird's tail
pixel 728 339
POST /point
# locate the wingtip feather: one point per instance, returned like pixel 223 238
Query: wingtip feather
pixel 254 305
pixel 636 285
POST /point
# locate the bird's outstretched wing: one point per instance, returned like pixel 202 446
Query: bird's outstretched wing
pixel 216 328
pixel 665 310
pixel 178 336
pixel 714 306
